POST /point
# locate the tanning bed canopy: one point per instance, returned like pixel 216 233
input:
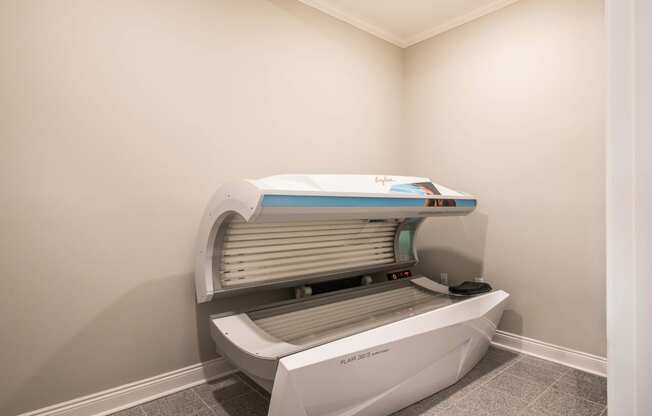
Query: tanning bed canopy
pixel 290 230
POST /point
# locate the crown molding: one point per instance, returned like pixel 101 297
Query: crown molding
pixel 458 21
pixel 355 21
pixel 398 40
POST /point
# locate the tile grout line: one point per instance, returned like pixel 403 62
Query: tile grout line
pixel 582 398
pixel 545 391
pixel 503 370
pixel 454 402
pixel 563 373
pixel 527 380
pixel 202 400
pixel 558 380
pixel 547 386
pixel 568 371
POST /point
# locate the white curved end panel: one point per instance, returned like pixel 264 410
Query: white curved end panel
pixel 238 199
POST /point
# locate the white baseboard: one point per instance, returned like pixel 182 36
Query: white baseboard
pixel 132 394
pixel 566 356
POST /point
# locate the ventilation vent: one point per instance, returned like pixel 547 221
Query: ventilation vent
pixel 253 253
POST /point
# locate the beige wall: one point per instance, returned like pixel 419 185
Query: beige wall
pixel 118 120
pixel 510 108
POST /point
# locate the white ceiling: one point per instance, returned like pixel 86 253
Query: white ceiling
pixel 406 22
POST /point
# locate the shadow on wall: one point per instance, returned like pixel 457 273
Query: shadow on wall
pixel 512 320
pixel 457 246
pixel 114 347
pixel 453 245
pixel 434 261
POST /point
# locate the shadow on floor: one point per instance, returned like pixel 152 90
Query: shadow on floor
pixel 501 384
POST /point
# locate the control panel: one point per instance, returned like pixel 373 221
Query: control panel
pixel 399 275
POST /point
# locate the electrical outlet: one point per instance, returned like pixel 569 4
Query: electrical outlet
pixel 444 278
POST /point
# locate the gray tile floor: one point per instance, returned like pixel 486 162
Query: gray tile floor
pixel 502 384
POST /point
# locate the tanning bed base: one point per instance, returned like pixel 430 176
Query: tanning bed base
pixel 375 349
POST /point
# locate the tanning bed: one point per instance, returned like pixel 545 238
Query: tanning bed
pixel 364 334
